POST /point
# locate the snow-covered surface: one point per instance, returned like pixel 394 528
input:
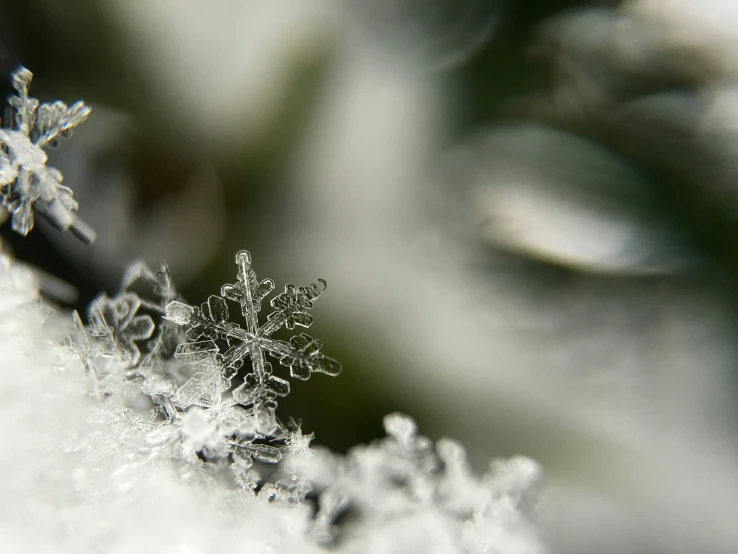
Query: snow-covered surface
pixel 84 473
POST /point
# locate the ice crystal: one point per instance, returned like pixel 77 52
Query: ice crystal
pixel 210 323
pixel 26 182
pixel 127 336
pixel 119 319
pixel 116 320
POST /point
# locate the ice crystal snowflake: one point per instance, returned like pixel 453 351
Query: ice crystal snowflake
pixel 26 182
pixel 127 335
pixel 209 324
pixel 119 320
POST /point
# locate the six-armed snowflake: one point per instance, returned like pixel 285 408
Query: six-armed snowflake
pixel 222 346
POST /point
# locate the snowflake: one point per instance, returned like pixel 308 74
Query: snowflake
pixel 167 335
pixel 209 324
pixel 112 348
pixel 26 182
pixel 118 320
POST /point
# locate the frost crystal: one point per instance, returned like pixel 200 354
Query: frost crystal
pixel 209 324
pixel 119 321
pixel 116 320
pixel 127 337
pixel 406 494
pixel 26 182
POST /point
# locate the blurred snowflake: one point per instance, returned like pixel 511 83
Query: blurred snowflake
pixel 26 182
pixel 127 343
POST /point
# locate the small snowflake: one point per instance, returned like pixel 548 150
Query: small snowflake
pixel 26 182
pixel 120 321
pixel 210 323
pixel 160 285
pixel 127 343
pixel 117 319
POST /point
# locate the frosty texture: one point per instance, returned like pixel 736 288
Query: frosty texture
pixel 191 470
pixel 26 182
pixel 405 494
pixel 86 476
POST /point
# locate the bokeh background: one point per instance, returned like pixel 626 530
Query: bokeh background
pixel 526 212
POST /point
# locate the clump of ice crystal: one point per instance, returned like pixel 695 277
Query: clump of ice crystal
pixel 191 356
pixel 406 494
pixel 26 182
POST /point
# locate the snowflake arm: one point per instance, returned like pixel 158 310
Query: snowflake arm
pixel 248 291
pixel 43 123
pixel 292 305
pixel 161 281
pixel 84 350
pixel 303 357
pixel 26 182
